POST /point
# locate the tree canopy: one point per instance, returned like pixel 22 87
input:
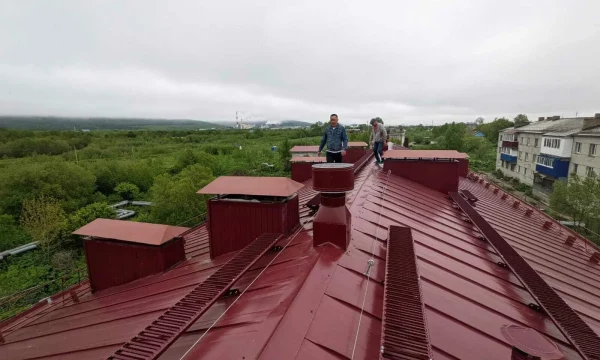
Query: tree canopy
pixel 521 120
pixel 492 129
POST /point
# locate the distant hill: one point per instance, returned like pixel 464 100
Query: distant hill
pixel 69 123
pixel 271 123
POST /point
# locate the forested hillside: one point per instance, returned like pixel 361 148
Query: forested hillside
pixel 53 182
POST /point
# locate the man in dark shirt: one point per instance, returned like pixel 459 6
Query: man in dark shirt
pixel 336 139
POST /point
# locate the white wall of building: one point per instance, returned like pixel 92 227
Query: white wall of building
pixel 564 149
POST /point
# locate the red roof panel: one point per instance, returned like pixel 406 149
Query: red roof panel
pixel 249 185
pixel 424 154
pixel 131 231
pixel 311 159
pixel 305 148
pixel 307 303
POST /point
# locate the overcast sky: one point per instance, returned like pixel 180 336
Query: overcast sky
pixel 408 62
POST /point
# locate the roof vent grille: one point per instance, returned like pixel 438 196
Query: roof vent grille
pixel 162 332
pixel 404 332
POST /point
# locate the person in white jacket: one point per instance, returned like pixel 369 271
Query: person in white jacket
pixel 378 136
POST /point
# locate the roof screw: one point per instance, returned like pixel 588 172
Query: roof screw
pixel 382 349
pixel 370 263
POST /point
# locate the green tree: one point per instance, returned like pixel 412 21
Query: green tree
pixel 284 154
pixel 127 191
pixel 89 213
pixel 66 182
pixel 44 220
pixel 11 235
pixel 579 198
pixel 174 197
pixel 454 137
pixel 479 121
pixel 521 120
pixel 492 129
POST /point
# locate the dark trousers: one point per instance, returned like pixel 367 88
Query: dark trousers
pixel 378 150
pixel 334 157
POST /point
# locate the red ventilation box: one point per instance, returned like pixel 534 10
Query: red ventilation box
pixel 356 150
pixel 246 207
pixel 302 167
pixel 436 169
pixel 118 252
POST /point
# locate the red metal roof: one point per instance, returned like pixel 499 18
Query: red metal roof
pixel 248 185
pixel 311 159
pixel 566 268
pixel 130 231
pixel 305 148
pixel 357 144
pixel 315 148
pixel 424 154
pixel 307 303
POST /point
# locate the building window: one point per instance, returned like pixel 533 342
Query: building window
pixel 578 147
pixel 499 150
pixel 527 141
pixel 552 143
pixel 590 171
pixel 525 170
pixel 534 158
pixel 575 166
pixel 520 155
pixel 545 161
pixel 593 149
pixel 512 167
pixel 526 156
pixel 536 142
pixel 519 169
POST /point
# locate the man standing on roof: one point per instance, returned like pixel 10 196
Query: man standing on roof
pixel 378 136
pixel 336 139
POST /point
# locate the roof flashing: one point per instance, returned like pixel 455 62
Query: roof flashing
pixel 424 154
pixel 251 185
pixel 130 231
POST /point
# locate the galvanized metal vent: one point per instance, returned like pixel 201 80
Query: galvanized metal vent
pixel 158 336
pixel 583 338
pixel 404 329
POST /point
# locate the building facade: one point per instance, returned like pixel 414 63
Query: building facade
pixel 540 153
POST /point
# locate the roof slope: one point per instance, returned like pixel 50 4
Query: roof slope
pixel 307 303
pixel 566 268
pixel 131 231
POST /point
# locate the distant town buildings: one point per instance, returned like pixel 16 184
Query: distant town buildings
pixel 550 149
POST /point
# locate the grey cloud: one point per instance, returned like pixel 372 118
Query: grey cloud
pixel 408 62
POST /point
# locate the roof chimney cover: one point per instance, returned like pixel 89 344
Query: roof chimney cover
pixel 333 177
pixel 247 208
pixel 530 342
pixel 118 252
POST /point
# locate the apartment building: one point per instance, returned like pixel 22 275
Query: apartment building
pixel 548 150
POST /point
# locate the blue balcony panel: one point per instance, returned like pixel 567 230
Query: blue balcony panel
pixel 559 169
pixel 508 158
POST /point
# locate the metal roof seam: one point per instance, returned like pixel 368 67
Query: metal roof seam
pixel 585 340
pixel 370 263
pixel 594 246
pixel 300 228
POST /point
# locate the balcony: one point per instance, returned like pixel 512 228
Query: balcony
pixel 555 167
pixel 510 144
pixel 508 158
